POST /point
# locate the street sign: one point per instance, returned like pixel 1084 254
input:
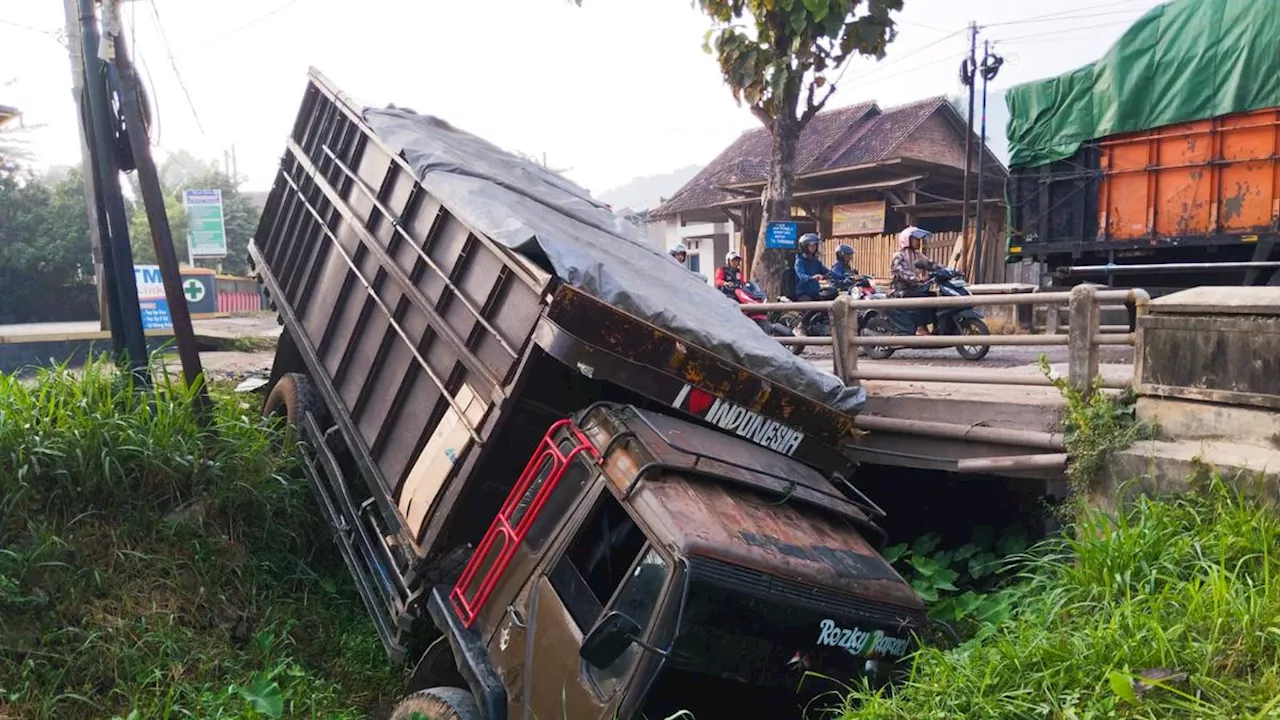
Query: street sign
pixel 206 228
pixel 781 235
pixel 151 300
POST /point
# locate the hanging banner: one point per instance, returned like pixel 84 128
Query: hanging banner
pixel 864 218
pixel 151 299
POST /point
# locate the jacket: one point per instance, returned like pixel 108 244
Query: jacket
pixel 726 275
pixel 842 274
pixel 808 270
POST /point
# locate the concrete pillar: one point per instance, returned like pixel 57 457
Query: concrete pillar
pixel 1082 352
pixel 844 327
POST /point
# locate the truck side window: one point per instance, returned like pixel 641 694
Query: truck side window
pixel 558 503
pixel 596 561
pixel 637 599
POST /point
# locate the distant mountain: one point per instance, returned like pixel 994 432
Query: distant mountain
pixel 646 193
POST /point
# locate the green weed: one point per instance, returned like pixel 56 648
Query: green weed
pixel 1169 610
pixel 153 568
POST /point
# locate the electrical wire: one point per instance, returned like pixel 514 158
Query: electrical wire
pixel 1091 16
pixel 1072 14
pixel 241 28
pixel 155 12
pixel 1020 38
pixel 862 75
pixel 28 28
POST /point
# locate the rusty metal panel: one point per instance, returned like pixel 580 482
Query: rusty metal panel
pixel 1207 177
pixel 416 323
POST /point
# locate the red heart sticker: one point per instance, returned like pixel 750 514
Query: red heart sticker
pixel 700 401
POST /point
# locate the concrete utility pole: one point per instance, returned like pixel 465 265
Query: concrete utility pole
pixel 153 200
pixel 968 70
pixel 75 51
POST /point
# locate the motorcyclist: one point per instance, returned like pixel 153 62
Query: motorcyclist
pixel 842 272
pixel 679 253
pixel 809 269
pixel 908 269
pixel 729 275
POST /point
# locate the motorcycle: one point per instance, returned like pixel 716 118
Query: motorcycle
pixel 941 321
pixel 816 323
pixel 751 294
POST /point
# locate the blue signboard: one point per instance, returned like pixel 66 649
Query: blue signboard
pixel 781 235
pixel 155 314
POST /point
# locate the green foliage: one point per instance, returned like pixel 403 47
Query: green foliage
pixel 1095 425
pixel 965 587
pixel 181 171
pixel 1170 610
pixel 151 568
pixel 771 50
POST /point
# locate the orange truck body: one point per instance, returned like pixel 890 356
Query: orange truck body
pixel 1219 176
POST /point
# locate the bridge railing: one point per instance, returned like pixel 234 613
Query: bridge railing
pixel 1083 339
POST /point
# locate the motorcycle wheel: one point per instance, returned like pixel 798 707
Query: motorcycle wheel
pixel 795 328
pixel 973 326
pixel 877 327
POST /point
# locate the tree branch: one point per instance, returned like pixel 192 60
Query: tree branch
pixel 812 108
pixel 762 115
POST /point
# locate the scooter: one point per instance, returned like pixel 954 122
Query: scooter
pixel 809 323
pixel 942 321
pixel 751 294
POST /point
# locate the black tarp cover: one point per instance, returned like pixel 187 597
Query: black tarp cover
pixel 558 225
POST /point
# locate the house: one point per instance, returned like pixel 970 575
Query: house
pixel 862 173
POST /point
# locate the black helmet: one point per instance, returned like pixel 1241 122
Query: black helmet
pixel 809 239
pixel 844 251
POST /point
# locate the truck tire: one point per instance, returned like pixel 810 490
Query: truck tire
pixel 293 396
pixel 442 703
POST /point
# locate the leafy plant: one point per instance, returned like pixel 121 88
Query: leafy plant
pixel 965 585
pixel 1095 425
pixel 1169 609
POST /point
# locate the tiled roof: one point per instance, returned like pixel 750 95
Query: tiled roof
pixel 847 136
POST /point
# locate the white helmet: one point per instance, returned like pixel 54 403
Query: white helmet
pixel 731 256
pixel 678 249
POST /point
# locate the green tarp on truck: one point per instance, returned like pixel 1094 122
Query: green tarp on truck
pixel 1185 60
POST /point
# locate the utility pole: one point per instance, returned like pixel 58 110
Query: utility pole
pixel 990 68
pixel 153 200
pixel 102 282
pixel 117 253
pixel 968 69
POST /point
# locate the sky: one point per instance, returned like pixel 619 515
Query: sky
pixel 611 91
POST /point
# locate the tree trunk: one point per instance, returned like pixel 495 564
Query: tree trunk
pixel 770 263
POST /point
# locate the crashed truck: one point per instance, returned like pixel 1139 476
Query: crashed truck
pixel 568 479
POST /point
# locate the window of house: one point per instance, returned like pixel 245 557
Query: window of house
pixel 693 263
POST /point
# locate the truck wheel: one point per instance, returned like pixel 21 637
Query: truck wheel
pixel 293 396
pixel 442 703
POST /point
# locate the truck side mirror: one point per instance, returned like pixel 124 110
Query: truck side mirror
pixel 609 639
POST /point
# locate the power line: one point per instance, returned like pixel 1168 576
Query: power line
pixel 1089 16
pixel 28 28
pixel 1074 13
pixel 1055 33
pixel 241 28
pixel 155 11
pixel 889 63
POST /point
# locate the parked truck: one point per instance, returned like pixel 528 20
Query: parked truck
pixel 1157 166
pixel 568 479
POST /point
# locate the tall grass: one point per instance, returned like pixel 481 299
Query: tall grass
pixel 1171 610
pixel 152 568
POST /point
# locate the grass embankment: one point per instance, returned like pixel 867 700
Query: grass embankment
pixel 1171 610
pixel 152 569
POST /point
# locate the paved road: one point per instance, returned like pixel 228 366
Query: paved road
pixel 999 357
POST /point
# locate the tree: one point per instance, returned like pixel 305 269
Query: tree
pixel 182 171
pixel 774 52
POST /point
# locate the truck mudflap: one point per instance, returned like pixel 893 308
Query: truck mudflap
pixel 649 361
pixel 474 663
pixel 377 576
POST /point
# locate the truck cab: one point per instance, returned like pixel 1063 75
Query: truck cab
pixel 643 565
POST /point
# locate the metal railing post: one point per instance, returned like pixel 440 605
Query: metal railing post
pixel 844 327
pixel 1082 351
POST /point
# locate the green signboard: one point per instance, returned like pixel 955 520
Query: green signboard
pixel 206 230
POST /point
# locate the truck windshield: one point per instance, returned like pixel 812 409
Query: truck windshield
pixel 757 657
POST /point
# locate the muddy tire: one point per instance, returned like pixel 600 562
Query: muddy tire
pixel 877 326
pixel 292 398
pixel 442 703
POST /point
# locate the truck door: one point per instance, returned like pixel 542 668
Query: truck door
pixel 607 564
